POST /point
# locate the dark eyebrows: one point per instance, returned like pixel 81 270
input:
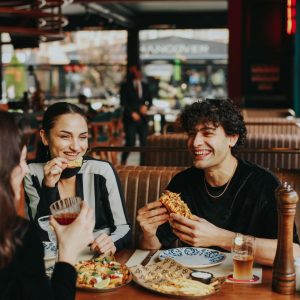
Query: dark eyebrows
pixel 68 132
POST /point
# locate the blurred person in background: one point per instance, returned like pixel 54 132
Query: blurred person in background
pixel 136 100
pixel 86 106
pixel 64 137
pixel 22 269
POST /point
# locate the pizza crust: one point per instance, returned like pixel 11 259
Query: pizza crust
pixel 75 163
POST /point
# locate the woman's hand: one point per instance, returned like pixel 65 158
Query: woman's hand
pixel 53 169
pixel 103 244
pixel 74 238
pixel 151 216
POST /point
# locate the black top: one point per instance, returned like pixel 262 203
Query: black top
pixel 24 277
pixel 248 206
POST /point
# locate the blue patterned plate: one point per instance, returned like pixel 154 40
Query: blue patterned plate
pixel 50 250
pixel 194 258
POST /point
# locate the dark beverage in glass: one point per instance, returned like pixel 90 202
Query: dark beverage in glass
pixel 66 219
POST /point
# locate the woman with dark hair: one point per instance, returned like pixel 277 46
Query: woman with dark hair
pixel 22 270
pixel 64 135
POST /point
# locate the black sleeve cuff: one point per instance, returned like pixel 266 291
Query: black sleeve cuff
pixel 64 281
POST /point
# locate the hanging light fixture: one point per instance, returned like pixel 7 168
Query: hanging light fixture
pixel 41 19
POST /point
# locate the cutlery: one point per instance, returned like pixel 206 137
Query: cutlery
pixel 148 257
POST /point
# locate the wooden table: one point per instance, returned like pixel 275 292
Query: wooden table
pixel 229 290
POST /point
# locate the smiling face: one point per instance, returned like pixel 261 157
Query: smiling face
pixel 209 146
pixel 68 138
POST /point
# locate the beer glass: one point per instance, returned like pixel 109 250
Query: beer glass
pixel 65 211
pixel 243 248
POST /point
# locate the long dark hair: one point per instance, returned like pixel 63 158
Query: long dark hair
pixel 11 144
pixel 51 115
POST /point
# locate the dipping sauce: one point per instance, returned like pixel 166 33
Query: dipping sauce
pixel 202 276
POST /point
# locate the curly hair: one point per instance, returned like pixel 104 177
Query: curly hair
pixel 220 112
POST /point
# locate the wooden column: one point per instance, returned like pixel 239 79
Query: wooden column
pixel 235 49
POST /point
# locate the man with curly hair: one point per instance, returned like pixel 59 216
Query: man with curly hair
pixel 226 195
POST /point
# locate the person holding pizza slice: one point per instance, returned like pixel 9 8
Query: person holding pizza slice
pixel 225 194
pixel 64 171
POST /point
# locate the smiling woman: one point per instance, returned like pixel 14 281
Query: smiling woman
pixel 64 135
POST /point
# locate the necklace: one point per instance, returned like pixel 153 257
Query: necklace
pixel 226 186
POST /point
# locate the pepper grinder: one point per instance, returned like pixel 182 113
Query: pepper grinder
pixel 284 277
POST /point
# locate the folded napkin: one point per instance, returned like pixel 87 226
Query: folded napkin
pixel 137 257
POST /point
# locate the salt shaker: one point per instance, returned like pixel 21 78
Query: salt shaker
pixel 284 277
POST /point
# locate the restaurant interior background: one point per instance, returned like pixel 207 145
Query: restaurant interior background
pixel 246 50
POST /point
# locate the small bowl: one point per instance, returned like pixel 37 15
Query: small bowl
pixel 204 277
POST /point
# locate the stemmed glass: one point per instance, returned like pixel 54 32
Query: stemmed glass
pixel 45 225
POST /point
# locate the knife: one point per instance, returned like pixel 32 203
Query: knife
pixel 148 257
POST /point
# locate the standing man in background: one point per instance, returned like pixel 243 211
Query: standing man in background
pixel 136 100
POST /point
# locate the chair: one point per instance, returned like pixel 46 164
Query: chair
pixel 118 130
pixel 101 128
pixel 34 138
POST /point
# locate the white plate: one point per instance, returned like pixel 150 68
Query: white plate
pixel 191 257
pixel 50 250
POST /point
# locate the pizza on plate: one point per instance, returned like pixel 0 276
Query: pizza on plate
pixel 101 273
pixel 174 204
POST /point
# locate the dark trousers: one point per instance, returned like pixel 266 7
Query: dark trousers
pixel 131 130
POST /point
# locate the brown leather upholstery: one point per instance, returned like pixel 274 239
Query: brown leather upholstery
pixel 254 141
pixel 170 140
pixel 272 125
pixel 140 186
pixel 273 160
pixel 268 112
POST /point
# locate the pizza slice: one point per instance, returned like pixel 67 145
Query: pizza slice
pixel 75 163
pixel 174 204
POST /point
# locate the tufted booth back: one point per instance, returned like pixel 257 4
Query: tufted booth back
pixel 272 125
pixel 174 158
pixel 269 160
pixel 142 185
pixel 273 160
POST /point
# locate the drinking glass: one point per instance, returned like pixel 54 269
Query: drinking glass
pixel 243 247
pixel 66 210
pixel 45 225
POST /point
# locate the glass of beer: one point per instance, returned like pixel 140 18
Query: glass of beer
pixel 65 211
pixel 243 247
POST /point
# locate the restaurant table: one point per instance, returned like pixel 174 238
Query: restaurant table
pixel 234 291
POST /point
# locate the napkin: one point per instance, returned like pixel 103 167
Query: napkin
pixel 137 257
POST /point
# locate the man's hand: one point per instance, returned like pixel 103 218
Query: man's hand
pixel 135 116
pixel 196 231
pixel 151 216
